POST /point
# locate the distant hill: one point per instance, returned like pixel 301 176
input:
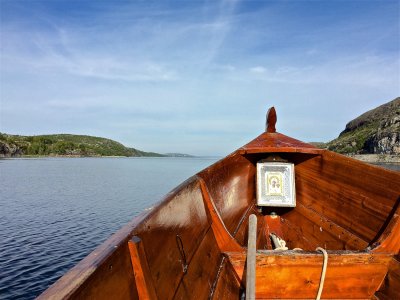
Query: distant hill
pixel 178 155
pixel 65 145
pixel 375 132
pixel 321 145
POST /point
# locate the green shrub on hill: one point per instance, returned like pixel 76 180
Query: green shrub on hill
pixel 65 144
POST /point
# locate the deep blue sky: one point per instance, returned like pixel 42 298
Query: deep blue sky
pixel 194 76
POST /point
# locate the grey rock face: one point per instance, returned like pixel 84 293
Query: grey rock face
pixel 374 132
pixel 7 150
pixel 387 139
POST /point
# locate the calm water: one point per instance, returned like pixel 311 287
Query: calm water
pixel 55 211
pixel 395 167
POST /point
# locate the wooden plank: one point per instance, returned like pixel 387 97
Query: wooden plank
pixel 262 237
pixel 224 239
pixel 299 235
pixel 333 183
pixel 296 275
pixel 112 279
pixel 228 285
pixel 379 184
pixel 329 200
pixel 390 289
pixel 230 183
pixel 317 230
pixel 389 240
pixel 144 282
pixel 203 268
pixel 372 203
pixel 181 217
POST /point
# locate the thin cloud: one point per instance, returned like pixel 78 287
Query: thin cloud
pixel 258 69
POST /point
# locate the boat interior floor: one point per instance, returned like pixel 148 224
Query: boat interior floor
pixel 354 269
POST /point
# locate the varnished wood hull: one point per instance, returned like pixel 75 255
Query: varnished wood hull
pixel 192 244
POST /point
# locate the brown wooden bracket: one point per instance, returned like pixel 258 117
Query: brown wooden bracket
pixel 144 282
pixel 224 239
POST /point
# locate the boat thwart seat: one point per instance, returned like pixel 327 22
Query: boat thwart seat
pixel 296 274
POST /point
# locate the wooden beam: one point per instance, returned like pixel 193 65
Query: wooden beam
pixel 251 259
pixel 224 239
pixel 296 274
pixel 144 283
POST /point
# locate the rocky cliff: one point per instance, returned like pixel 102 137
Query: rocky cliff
pixel 375 132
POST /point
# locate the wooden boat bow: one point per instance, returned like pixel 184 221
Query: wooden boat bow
pixel 192 244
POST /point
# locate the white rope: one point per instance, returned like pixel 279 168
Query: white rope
pixel 324 265
pixel 280 244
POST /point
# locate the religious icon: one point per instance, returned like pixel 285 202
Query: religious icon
pixel 275 184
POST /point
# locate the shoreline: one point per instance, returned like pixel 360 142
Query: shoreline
pixel 92 156
pixel 68 156
pixel 63 156
pixel 377 158
pixel 369 158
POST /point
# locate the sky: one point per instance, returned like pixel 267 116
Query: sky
pixel 192 76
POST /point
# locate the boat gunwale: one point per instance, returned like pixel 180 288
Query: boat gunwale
pixel 75 277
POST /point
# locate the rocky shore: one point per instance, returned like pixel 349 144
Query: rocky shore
pixel 375 132
pixel 377 158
